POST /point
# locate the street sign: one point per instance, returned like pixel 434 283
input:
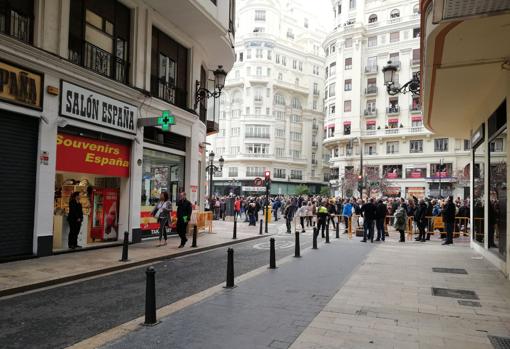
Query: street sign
pixel 258 181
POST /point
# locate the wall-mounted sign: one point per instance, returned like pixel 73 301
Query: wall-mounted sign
pixel 20 86
pixel 87 155
pixel 44 158
pixel 89 106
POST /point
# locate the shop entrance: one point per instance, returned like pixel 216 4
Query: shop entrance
pixel 18 151
pixel 98 171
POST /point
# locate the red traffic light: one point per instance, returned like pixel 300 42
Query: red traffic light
pixel 267 175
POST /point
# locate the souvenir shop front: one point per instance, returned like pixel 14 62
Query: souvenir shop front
pixel 95 164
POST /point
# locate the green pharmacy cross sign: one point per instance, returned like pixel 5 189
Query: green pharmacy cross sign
pixel 165 120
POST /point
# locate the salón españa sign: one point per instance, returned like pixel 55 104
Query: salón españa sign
pixel 89 106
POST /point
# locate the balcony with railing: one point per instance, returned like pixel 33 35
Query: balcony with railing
pixel 315 162
pixel 16 25
pixel 393 110
pixel 371 91
pixel 401 131
pixel 371 69
pixel 257 135
pixel 167 91
pixel 315 144
pixel 102 62
pixel 258 99
pixel 370 113
pixel 415 108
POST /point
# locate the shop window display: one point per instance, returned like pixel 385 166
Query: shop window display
pixel 479 194
pixel 497 194
pixel 162 172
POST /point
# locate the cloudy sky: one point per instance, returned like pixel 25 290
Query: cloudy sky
pixel 323 10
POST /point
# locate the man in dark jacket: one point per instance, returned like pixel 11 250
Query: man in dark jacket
pixel 449 220
pixel 380 217
pixel 184 210
pixel 368 211
pixel 290 211
pixel 420 218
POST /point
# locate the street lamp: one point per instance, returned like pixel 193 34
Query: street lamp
pixel 201 92
pixel 211 168
pixel 412 85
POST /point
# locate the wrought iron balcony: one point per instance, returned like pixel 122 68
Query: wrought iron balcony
pixel 393 110
pixel 371 90
pixel 371 69
pixel 416 108
pixel 98 60
pixel 15 24
pixel 370 112
pixel 167 91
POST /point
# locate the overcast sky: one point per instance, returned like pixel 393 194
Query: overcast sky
pixel 323 10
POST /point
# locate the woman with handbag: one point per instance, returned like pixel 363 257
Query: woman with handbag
pixel 162 212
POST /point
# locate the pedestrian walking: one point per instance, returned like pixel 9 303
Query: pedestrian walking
pixel 322 217
pixel 289 212
pixel 347 213
pixel 184 211
pixel 332 212
pixel 368 211
pixel 74 218
pixel 276 206
pixel 380 218
pixel 448 214
pixel 420 218
pixel 162 212
pixel 401 221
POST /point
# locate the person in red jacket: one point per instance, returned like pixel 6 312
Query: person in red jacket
pixel 237 207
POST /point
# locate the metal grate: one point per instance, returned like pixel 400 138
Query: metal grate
pixel 500 342
pixel 449 270
pixel 466 8
pixel 452 293
pixel 469 303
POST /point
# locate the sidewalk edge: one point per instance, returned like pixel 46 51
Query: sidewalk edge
pixel 66 279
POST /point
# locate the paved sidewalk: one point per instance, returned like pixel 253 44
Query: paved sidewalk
pixel 266 311
pixel 388 302
pixel 19 276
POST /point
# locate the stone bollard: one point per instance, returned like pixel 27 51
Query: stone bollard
pixel 315 234
pixel 297 248
pixel 125 247
pixel 261 226
pixel 337 232
pixel 234 235
pixel 194 241
pixel 150 297
pixel 230 268
pixel 327 232
pixel 272 254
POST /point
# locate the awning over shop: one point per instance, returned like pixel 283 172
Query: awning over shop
pixel 371 122
pixel 416 118
pixel 347 122
pixel 392 121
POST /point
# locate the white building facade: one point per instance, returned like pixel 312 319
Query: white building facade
pixel 271 108
pixel 77 76
pixel 377 141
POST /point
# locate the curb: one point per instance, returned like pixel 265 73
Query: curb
pixel 53 282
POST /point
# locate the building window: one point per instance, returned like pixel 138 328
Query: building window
pixel 372 18
pixel 416 32
pixel 416 146
pixel 371 148
pixel 295 103
pixel 441 144
pixel 394 14
pixel 280 116
pixel 300 66
pixel 332 69
pixel 235 131
pixel 254 171
pixel 235 150
pixel 348 63
pixel 296 174
pixel 279 100
pixel 467 144
pixel 290 34
pixel 348 43
pixel 296 118
pixel 332 88
pixel 232 171
pixel 352 4
pixel 260 15
pixel 347 106
pixel 372 41
pixel 240 56
pixel 280 133
pixel 416 56
pixel 295 136
pixel 258 53
pixel 314 104
pixel 416 10
pixel 394 36
pixel 392 147
pixel 296 154
pixel 98 37
pixel 169 68
pixel 257 131
pixel 279 173
pixel 305 24
pixel 332 109
pixel 257 148
pixel 347 129
pixel 348 85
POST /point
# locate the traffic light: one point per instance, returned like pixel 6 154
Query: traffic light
pixel 360 183
pixel 267 179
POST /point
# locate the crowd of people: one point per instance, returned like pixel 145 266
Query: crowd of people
pixel 370 214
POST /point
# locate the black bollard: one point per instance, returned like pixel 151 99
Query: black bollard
pixel 234 235
pixel 297 248
pixel 327 232
pixel 315 233
pixel 337 233
pixel 125 248
pixel 261 225
pixel 194 241
pixel 230 268
pixel 272 254
pixel 150 297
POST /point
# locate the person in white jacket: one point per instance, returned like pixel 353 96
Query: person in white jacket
pixel 302 213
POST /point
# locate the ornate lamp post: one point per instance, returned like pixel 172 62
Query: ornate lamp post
pixel 412 85
pixel 211 168
pixel 201 92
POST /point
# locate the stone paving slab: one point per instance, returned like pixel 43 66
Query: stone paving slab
pixel 23 275
pixel 269 310
pixel 388 302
